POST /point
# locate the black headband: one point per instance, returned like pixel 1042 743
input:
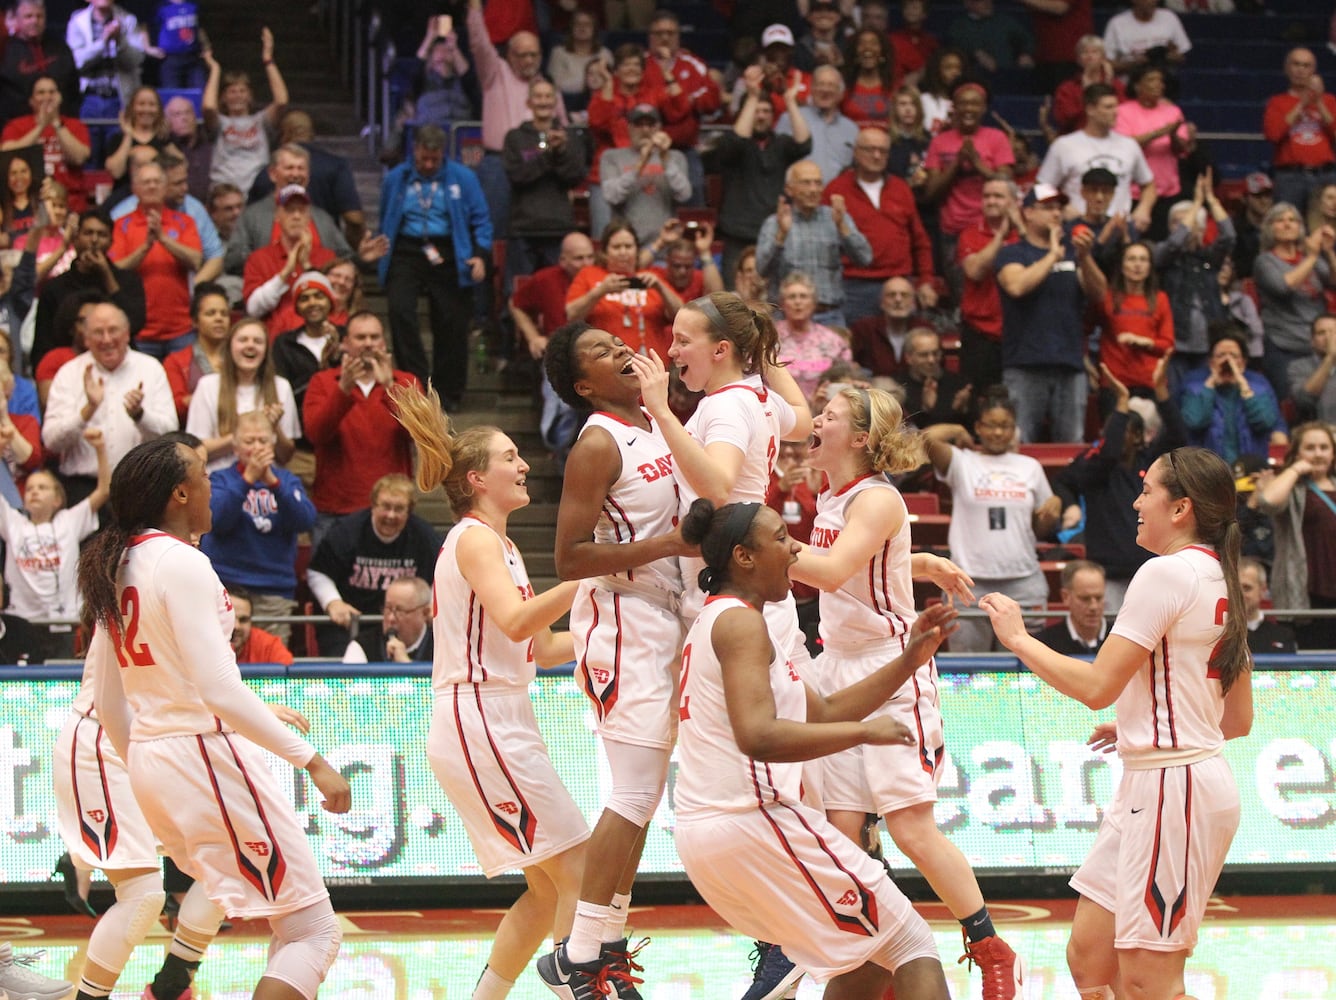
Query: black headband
pixel 736 525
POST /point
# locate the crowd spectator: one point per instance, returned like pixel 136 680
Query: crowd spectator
pixel 1227 408
pixel 66 144
pixel 634 304
pixel 1301 124
pixel 1145 34
pixel 187 133
pixel 242 148
pixel 1188 267
pixel 1241 307
pixel 438 95
pixel 226 204
pixel 878 342
pixel 244 382
pixel 42 548
pixel 70 322
pixel 259 508
pixel 1045 279
pixel 882 207
pixel 1310 383
pixel 870 79
pixel 142 125
pixel 833 134
pixel 1157 124
pixel 933 395
pixel 568 61
pixel 1136 324
pixel 822 44
pixel 289 164
pixel 163 246
pixel 1299 500
pixel 108 44
pixel 537 308
pixel 792 493
pixel 805 235
pixel 912 44
pixel 1002 504
pixel 1082 630
pixel 1112 231
pixel 271 271
pixel 178 45
pixel 1058 26
pixel 669 60
pixel 350 421
pixel 747 281
pixel 405 633
pixel 1265 635
pixel 644 180
pixel 177 196
pixel 909 140
pixel 15 299
pixel 995 40
pixel 1098 145
pixel 806 346
pixel 249 642
pixel 1293 271
pixel 753 160
pixel 543 162
pixel 674 256
pixel 440 235
pixel 1068 112
pixel 329 181
pixel 944 72
pixel 959 160
pixel 999 225
pixel 18 199
pixel 20 421
pixel 212 321
pixel 123 393
pixel 345 279
pixel 505 97
pixel 30 52
pixel 1258 197
pixel 354 564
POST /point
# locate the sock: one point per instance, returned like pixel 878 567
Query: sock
pixel 491 986
pixel 618 911
pixel 174 977
pixel 586 932
pixel 978 925
pixel 92 991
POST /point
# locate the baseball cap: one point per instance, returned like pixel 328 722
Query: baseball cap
pixel 312 279
pixel 293 192
pixel 1257 182
pixel 1099 177
pixel 776 34
pixel 642 111
pixel 1041 193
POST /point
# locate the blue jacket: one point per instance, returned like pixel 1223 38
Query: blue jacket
pixel 253 541
pixel 470 224
pixel 1223 421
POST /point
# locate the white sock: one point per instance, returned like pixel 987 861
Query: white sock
pixel 586 932
pixel 491 986
pixel 618 911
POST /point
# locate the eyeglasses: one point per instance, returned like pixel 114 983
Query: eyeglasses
pixel 879 150
pixel 390 609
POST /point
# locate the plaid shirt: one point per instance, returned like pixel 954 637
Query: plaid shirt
pixel 813 247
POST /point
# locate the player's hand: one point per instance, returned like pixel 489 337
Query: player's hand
pixel 1105 738
pixel 883 731
pixel 337 797
pixel 292 717
pixel 930 629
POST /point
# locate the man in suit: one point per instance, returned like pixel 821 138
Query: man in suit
pixel 405 634
pixel 1084 628
pixel 1265 635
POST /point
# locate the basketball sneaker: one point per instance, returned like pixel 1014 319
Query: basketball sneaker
pixel 1003 971
pixel 574 981
pixel 620 961
pixel 20 983
pixel 773 975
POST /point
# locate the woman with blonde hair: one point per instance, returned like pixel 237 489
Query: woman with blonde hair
pixel 491 629
pixel 245 381
pixel 860 560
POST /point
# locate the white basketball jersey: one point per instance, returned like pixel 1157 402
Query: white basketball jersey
pixel 877 602
pixel 1175 607
pixel 643 502
pixel 470 649
pixel 713 775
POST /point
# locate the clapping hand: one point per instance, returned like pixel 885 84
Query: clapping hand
pixel 134 402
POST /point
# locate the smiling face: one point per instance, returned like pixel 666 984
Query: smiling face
pixel 237 98
pixel 629 72
pixel 150 185
pixel 603 363
pixel 772 554
pixel 505 480
pixel 107 334
pixel 1315 448
pixel 248 346
pixel 833 435
pixel 313 306
pixel 390 512
pixel 804 186
pixel 968 109
pixel 181 116
pixel 1150 88
pixel 20 177
pixel 1157 510
pixel 42 496
pixel 342 279
pixel 145 108
pixel 695 351
pixel 995 429
pixel 197 488
pixel 827 88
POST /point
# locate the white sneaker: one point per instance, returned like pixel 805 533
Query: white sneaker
pixel 18 982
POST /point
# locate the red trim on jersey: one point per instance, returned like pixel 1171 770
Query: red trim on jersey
pixel 760 394
pixel 617 516
pixel 1202 548
pixel 1180 909
pixel 853 482
pixel 149 536
pixel 1153 900
pixel 603 703
pixel 89 835
pixel 472 646
pixel 625 423
pixel 520 834
pixel 111 827
pixel 864 926
pixel 278 865
pixel 245 867
pixel 727 597
pixel 1168 915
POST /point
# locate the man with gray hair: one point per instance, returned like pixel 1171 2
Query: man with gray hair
pixel 834 134
pixel 434 214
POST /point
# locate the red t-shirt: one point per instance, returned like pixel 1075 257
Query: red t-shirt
pixel 912 49
pixel 1056 35
pixel 636 314
pixel 695 287
pixel 1135 366
pixel 264 647
pixel 980 301
pixel 544 295
pixel 56 168
pixel 166 279
pixel 1305 143
pixel 868 104
pixel 51 362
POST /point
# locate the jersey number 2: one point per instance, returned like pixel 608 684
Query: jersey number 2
pixel 128 652
pixel 684 709
pixel 1221 609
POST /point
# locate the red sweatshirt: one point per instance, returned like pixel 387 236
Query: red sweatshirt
pixel 900 244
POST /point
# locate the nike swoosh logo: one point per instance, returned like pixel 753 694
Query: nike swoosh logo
pixel 1135 811
pixel 631 442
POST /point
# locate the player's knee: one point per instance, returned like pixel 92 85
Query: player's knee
pixel 309 942
pixel 635 803
pixel 913 942
pixel 138 905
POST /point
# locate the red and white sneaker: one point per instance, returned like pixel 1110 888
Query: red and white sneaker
pixel 1003 971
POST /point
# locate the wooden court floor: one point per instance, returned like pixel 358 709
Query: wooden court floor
pixel 1251 948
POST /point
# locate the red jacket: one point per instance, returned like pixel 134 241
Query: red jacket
pixel 357 440
pixel 900 244
pixel 980 301
pixel 1134 367
pixel 608 119
pixel 267 262
pixel 703 93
